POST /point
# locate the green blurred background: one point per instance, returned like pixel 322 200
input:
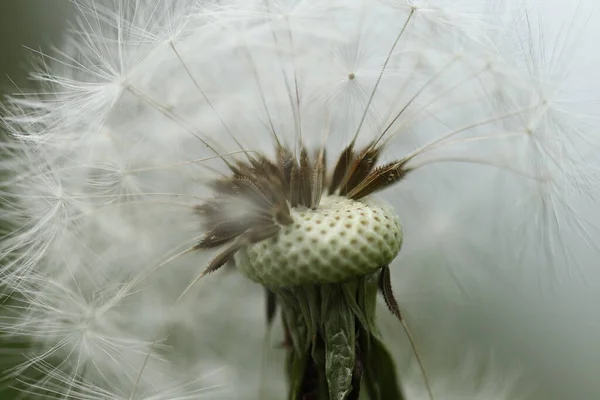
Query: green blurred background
pixel 25 25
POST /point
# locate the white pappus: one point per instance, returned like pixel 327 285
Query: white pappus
pixel 169 137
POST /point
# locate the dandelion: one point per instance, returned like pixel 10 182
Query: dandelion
pixel 189 164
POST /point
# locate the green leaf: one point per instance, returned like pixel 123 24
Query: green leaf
pixel 380 372
pixel 340 344
pixel 311 302
pixel 296 367
pixel 294 320
pixel 318 357
pixel 367 299
pixel 350 293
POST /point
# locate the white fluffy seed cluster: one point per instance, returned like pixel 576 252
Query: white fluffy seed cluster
pixel 139 107
pixel 340 240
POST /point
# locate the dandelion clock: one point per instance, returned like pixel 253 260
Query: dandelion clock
pixel 254 199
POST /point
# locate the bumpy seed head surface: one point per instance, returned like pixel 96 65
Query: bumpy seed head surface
pixel 340 240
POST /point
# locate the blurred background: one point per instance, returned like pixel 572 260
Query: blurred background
pixel 25 26
pixel 34 24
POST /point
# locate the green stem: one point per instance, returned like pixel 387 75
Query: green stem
pixel 334 347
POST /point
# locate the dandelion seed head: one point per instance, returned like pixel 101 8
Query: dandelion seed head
pixel 340 239
pixel 172 136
